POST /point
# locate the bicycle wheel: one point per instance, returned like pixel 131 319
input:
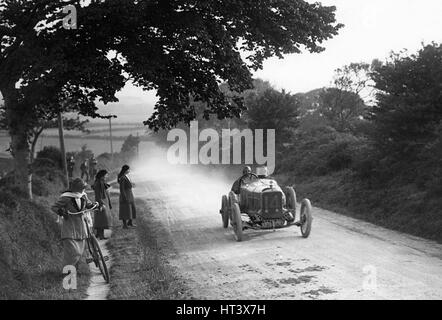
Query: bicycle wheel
pixel 98 257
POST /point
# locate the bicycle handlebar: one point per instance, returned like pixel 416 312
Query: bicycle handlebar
pixel 84 211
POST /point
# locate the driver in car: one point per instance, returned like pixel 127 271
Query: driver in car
pixel 244 179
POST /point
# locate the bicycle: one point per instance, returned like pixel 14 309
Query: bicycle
pixel 92 243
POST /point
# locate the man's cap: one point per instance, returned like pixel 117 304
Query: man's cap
pixel 246 170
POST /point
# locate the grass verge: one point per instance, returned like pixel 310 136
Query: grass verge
pixel 31 252
pixel 398 207
pixel 140 270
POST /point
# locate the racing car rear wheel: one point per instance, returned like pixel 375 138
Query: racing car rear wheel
pixel 306 218
pixel 237 221
pixel 225 212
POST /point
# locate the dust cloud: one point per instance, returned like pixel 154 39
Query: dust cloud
pixel 188 186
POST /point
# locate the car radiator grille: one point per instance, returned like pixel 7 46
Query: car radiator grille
pixel 271 205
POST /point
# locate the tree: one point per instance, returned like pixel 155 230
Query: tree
pixel 53 154
pixel 130 147
pixel 180 48
pixel 68 124
pixel 272 109
pixel 341 108
pixel 409 102
pixel 344 104
pixel 46 121
pixel 356 78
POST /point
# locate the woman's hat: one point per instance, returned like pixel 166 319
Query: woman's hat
pixel 78 185
pixel 101 174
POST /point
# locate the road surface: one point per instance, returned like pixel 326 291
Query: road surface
pixel 344 258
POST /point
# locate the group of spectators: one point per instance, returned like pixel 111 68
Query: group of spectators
pixel 88 168
pixel 73 232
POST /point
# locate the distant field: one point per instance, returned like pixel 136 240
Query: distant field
pixel 98 146
pixel 97 140
pixel 102 130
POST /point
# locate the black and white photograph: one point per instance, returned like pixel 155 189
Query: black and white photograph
pixel 219 156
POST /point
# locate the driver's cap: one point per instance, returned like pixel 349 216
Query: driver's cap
pixel 246 170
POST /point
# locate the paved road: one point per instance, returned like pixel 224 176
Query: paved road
pixel 344 258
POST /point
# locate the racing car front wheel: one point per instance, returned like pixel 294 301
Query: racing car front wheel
pixel 225 212
pixel 306 218
pixel 291 198
pixel 237 222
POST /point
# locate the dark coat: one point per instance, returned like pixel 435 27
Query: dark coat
pixel 127 201
pixel 101 217
pixel 71 165
pixel 72 227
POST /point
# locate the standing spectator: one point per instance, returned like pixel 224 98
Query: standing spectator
pixel 71 166
pixel 73 228
pixel 101 218
pixel 85 170
pixel 93 167
pixel 127 202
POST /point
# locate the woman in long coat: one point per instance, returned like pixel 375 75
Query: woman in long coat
pixel 127 202
pixel 101 218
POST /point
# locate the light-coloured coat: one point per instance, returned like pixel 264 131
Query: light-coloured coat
pixel 72 227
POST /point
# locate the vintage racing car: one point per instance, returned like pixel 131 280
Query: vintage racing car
pixel 262 204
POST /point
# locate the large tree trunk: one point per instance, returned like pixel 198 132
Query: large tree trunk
pixel 22 161
pixel 16 118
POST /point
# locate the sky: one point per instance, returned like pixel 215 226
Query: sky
pixel 373 28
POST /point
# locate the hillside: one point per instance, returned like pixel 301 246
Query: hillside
pixel 30 247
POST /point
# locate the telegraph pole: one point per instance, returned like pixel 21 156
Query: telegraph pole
pixel 110 135
pixel 63 149
pixel 138 145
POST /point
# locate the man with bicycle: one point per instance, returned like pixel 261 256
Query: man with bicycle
pixel 73 228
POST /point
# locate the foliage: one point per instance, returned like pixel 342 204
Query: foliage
pixel 343 105
pixel 182 49
pixel 356 78
pixel 50 122
pixel 130 147
pixel 272 109
pixel 33 273
pixel 53 154
pixel 320 151
pixel 409 102
pixel 429 173
pixel 387 169
pixel 341 109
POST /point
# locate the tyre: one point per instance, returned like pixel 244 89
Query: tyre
pixel 225 212
pixel 232 199
pixel 99 259
pixel 306 218
pixel 291 199
pixel 237 222
pixel 291 204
